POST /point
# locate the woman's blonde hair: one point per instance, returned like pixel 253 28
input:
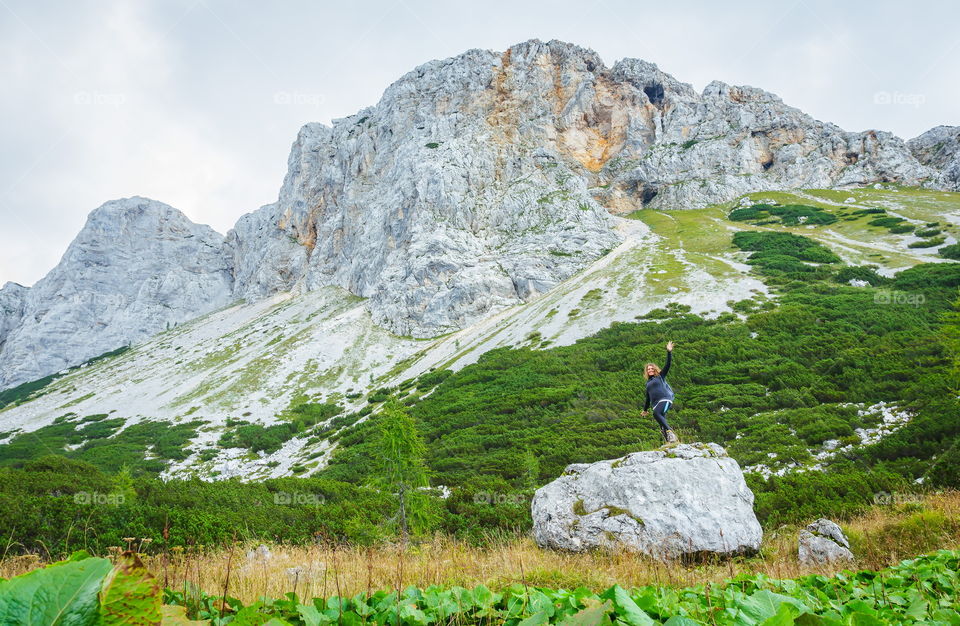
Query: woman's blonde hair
pixel 656 369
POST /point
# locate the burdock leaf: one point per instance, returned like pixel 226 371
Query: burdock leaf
pixel 61 594
pixel 130 595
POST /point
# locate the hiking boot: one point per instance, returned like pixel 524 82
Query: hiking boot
pixel 672 437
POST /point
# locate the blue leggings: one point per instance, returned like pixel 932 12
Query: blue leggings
pixel 660 414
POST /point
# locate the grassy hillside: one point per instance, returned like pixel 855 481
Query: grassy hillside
pixel 774 388
pixel 827 393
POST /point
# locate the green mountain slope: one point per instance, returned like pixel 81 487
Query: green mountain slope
pixel 815 339
pixel 775 357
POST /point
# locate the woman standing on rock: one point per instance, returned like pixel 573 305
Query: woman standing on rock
pixel 660 395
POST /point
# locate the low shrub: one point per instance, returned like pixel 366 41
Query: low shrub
pixel 950 252
pixel 928 243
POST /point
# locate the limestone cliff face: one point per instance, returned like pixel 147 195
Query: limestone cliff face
pixel 700 149
pixel 479 181
pixel 939 148
pixel 136 267
pixel 460 193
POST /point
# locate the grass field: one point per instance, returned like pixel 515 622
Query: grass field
pixel 880 538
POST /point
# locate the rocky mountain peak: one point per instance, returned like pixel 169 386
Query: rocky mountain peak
pixel 482 180
pixel 656 84
pixel 137 266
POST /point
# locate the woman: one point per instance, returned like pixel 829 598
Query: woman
pixel 660 395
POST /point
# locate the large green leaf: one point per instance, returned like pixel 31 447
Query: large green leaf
pixel 783 617
pixel 516 607
pixel 947 616
pixel 809 619
pixel 312 616
pixel 441 602
pixel 859 606
pixel 863 619
pixel 647 599
pixel 252 616
pixel 410 614
pixel 177 616
pixel 537 619
pixel 764 604
pixel 463 598
pixel 486 601
pixel 539 602
pixel 594 615
pixel 130 595
pixel 626 609
pixel 484 597
pixel 62 594
pixel 918 609
pixel 360 605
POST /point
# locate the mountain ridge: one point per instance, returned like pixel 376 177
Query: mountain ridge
pixel 476 183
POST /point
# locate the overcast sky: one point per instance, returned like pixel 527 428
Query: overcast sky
pixel 196 102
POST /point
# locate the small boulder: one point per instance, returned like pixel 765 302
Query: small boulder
pixel 689 500
pixel 823 542
pixel 260 554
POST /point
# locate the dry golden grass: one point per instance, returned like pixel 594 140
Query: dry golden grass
pixel 882 537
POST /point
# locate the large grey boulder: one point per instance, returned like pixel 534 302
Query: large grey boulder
pixel 823 542
pixel 686 501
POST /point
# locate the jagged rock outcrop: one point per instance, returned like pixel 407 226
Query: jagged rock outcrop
pixel 939 148
pixel 699 149
pixel 685 501
pixel 447 200
pixel 823 542
pixel 137 266
pixel 481 180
